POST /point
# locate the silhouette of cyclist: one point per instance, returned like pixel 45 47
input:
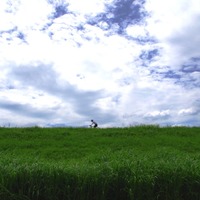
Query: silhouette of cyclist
pixel 94 124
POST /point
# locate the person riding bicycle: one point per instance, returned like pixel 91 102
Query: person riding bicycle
pixel 94 124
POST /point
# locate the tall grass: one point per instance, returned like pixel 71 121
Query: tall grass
pixel 145 162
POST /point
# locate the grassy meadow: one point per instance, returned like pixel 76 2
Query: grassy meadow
pixel 136 163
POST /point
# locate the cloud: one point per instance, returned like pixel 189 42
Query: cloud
pixel 25 110
pixel 119 62
pixel 187 111
pixel 44 78
pixel 159 114
pixel 89 9
pixel 174 25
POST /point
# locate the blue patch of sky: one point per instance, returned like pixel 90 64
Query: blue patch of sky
pixel 80 27
pixel 60 8
pixel 183 76
pixel 50 34
pixel 171 74
pixel 125 13
pixel 180 78
pixel 122 13
pixel 149 55
pixel 146 57
pixel 21 36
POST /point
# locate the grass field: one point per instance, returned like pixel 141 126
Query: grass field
pixel 136 163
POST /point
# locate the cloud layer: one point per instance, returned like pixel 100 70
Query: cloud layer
pixel 121 62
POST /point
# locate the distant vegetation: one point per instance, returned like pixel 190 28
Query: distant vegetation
pixel 136 163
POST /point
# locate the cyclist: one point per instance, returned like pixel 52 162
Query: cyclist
pixel 94 124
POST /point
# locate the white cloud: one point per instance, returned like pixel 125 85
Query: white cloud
pixel 175 25
pixel 32 14
pixel 158 113
pixel 136 31
pixel 186 111
pixel 90 8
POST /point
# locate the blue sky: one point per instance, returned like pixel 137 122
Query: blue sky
pixel 119 62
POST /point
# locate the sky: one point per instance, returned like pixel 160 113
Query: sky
pixel 119 62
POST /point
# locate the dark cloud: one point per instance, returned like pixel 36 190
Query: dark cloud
pixel 195 59
pixel 40 76
pixel 172 74
pixel 197 107
pixel 25 110
pixel 193 65
pixel 188 79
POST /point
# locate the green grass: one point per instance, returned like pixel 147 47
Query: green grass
pixel 139 163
